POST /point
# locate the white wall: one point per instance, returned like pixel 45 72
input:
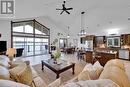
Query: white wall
pixel 5 30
pixel 54 29
pixel 121 24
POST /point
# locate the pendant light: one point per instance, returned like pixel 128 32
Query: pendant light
pixel 82 31
pixel 68 36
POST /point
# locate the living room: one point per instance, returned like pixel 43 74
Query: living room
pixel 64 43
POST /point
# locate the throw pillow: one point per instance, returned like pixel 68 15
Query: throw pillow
pixel 25 76
pixel 16 63
pixel 88 67
pixel 22 73
pixel 7 83
pixel 93 71
pixel 13 72
pixel 98 67
pixel 56 83
pixel 84 76
pixel 4 73
pixel 4 61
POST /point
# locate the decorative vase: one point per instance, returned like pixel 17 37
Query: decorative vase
pixel 55 61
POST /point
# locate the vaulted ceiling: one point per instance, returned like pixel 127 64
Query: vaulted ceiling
pixel 100 14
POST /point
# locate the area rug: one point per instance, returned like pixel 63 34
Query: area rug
pixel 49 76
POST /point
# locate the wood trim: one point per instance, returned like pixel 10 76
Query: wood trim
pixel 11 34
pixel 22 21
pixel 33 34
pixel 41 24
pixel 124 59
pixel 49 42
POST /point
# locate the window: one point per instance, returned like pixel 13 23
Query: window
pixel 113 42
pixel 32 36
pixel 63 42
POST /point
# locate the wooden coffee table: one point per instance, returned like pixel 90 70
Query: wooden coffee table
pixel 58 68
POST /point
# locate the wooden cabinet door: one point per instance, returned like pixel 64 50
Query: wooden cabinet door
pixel 89 57
pixel 125 39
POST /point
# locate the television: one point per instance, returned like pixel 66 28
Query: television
pixel 3 46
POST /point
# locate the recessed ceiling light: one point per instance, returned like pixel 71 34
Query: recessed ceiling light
pixel 98 25
pixel 110 22
pixel 128 18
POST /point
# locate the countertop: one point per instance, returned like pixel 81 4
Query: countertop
pixel 105 51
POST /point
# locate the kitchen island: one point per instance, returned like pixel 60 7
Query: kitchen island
pixel 104 56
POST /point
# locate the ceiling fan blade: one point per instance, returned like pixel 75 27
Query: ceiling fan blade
pixel 62 12
pixel 67 12
pixel 59 9
pixel 69 8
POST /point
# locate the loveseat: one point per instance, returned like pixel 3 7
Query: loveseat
pixel 18 72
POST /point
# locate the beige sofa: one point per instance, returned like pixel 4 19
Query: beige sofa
pixel 115 70
pixel 118 71
pixel 5 74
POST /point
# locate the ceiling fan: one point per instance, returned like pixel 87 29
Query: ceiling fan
pixel 64 9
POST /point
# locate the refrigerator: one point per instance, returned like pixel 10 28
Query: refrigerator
pixel 124 54
pixel 89 45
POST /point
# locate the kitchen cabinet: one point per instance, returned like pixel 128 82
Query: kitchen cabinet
pixel 99 40
pixel 104 57
pixel 82 40
pixel 86 38
pixel 88 56
pixel 125 39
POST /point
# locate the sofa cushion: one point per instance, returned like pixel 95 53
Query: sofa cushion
pixel 7 83
pixel 92 83
pixel 115 74
pixel 4 61
pixel 4 73
pixel 56 83
pixel 127 69
pixel 115 62
pixel 34 73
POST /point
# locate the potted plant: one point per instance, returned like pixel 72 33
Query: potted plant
pixel 57 56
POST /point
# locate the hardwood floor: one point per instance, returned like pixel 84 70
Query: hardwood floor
pixel 49 76
pixel 34 60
